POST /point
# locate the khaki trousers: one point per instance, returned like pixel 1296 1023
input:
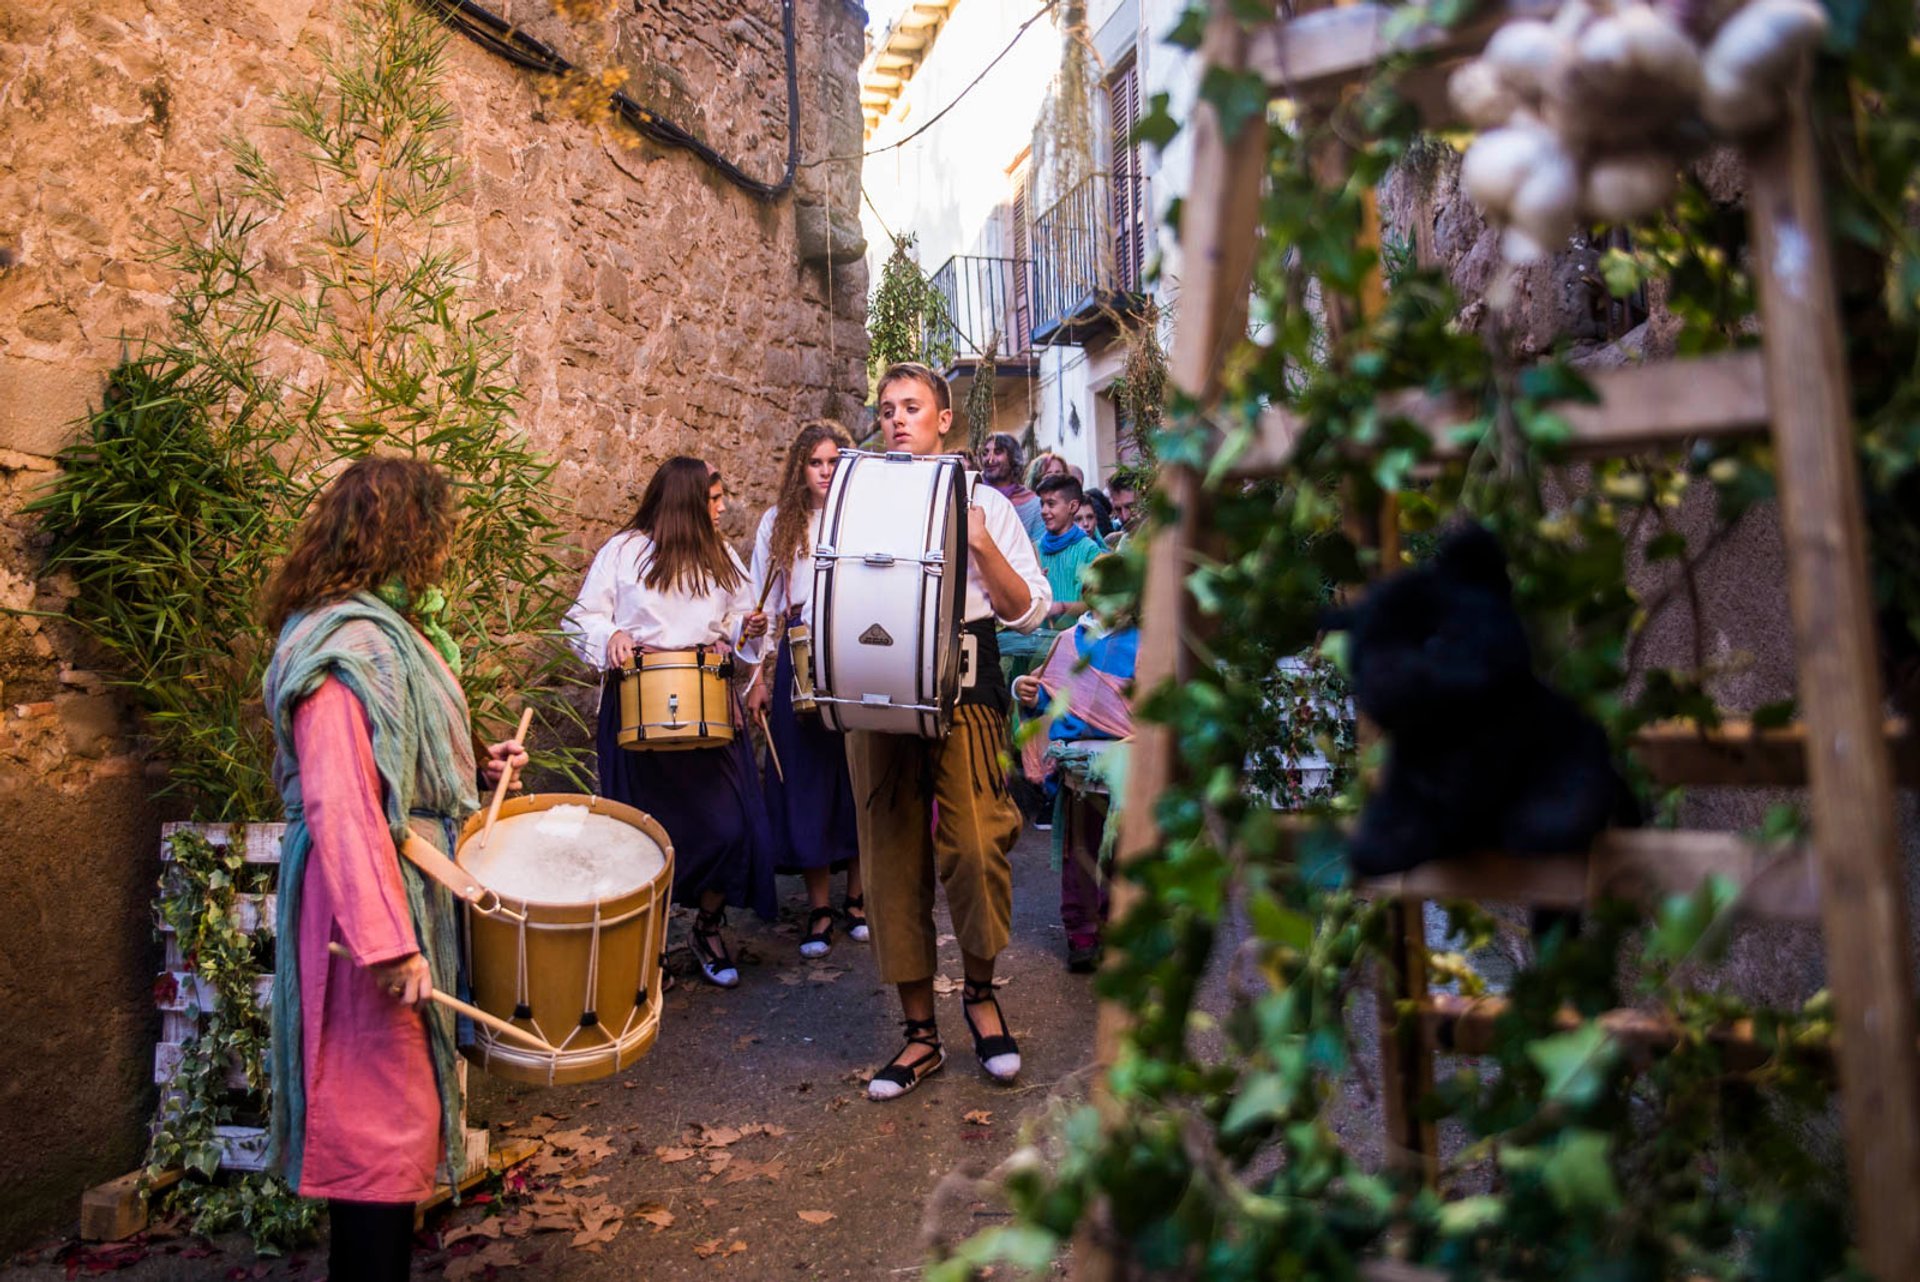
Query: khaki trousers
pixel 896 780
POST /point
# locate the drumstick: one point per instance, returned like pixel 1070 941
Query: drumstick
pixel 473 1013
pixel 767 591
pixel 506 777
pixel 773 753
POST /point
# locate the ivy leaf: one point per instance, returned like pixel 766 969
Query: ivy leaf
pixel 1554 381
pixel 1158 127
pixel 1774 716
pixel 1239 97
pixel 1685 920
pixel 1574 1063
pixel 1670 546
pixel 1577 1174
pixel 1264 1097
pixel 1469 1215
pixel 1280 924
pixel 1190 29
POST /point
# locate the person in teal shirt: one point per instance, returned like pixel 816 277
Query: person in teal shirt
pixel 1066 550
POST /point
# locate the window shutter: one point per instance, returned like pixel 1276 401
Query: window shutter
pixel 1129 214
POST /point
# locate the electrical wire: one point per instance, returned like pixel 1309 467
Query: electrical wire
pixel 505 41
pixel 1045 9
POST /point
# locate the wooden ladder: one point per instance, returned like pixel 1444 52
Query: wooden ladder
pixel 1848 876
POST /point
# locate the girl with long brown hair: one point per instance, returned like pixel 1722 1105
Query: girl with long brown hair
pixel 668 581
pixel 815 821
pixel 373 748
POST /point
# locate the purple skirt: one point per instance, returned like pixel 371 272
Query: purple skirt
pixel 812 813
pixel 708 801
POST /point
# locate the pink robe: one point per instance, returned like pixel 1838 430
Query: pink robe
pixel 373 1111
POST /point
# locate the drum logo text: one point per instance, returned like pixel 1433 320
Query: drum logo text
pixel 875 635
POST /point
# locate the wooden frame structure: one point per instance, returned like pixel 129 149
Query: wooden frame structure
pixel 1849 877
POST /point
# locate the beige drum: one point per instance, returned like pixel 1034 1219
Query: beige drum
pixel 573 954
pixel 800 642
pixel 676 699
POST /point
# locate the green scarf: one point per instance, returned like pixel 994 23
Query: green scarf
pixel 425 615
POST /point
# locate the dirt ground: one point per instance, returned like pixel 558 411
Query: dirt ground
pixel 744 1144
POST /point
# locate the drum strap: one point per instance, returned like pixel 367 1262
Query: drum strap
pixel 422 854
pixel 984 682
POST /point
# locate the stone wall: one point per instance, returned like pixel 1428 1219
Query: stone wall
pixel 656 309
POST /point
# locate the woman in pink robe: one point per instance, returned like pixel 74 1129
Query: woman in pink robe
pixel 362 1071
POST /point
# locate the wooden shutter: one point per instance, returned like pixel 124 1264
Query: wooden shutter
pixel 1129 184
pixel 1015 344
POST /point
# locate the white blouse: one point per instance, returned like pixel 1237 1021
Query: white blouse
pixel 614 598
pixel 1009 534
pixel 795 587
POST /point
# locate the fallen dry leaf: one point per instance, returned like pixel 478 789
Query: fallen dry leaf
pixel 708 1249
pixel 582 1181
pixel 487 1228
pixel 655 1214
pixel 792 976
pixel 518 1224
pixel 673 1154
pixel 720 1136
pixel 978 1116
pixel 887 1128
pixel 825 974
pixel 495 1255
pixel 536 1127
pixel 593 1237
pixel 816 1217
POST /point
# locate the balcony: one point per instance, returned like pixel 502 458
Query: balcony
pixel 986 303
pixel 1088 259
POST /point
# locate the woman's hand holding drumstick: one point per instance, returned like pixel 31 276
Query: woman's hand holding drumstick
pixel 417 990
pixel 506 757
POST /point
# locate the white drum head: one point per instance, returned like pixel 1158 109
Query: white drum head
pixel 564 855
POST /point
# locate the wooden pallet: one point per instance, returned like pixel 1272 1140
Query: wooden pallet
pixel 1794 387
pixel 118 1208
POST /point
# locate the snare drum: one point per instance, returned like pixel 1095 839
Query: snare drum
pixel 672 699
pixel 889 588
pixel 572 955
pixel 800 648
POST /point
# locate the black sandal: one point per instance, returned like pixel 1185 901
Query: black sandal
pixel 856 926
pixel 710 949
pixel 999 1054
pixel 819 940
pixel 897 1078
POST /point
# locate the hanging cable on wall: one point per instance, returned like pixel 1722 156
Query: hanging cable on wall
pixel 505 41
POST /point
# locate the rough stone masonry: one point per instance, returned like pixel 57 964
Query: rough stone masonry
pixel 655 309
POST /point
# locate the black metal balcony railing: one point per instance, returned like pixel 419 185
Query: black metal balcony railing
pixel 986 302
pixel 1088 253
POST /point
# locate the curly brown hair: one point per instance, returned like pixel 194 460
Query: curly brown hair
pixel 794 508
pixel 382 519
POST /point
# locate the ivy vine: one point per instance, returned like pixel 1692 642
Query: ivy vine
pixel 1219 1158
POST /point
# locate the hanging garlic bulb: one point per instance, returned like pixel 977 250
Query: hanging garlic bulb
pixel 1619 189
pixel 1747 70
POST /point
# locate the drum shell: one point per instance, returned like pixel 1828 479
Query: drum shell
pixel 626 996
pixel 674 700
pixel 890 576
pixel 800 648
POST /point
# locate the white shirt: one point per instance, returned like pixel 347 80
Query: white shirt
pixel 614 598
pixel 795 587
pixel 1009 534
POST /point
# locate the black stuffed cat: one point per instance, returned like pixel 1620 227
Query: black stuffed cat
pixel 1482 755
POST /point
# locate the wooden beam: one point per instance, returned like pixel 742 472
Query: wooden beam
pixel 1640 407
pixel 120 1208
pixel 1642 864
pixel 1217 241
pixel 1465 1026
pixel 1863 887
pixel 1735 755
pixel 1318 55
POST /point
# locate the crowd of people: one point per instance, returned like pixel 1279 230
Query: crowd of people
pixel 375 751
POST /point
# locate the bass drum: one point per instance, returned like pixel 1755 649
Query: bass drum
pixel 889 587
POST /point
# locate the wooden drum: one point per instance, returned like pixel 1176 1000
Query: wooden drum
pixel 573 954
pixel 672 699
pixel 800 646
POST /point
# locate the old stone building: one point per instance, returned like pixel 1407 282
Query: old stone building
pixel 655 307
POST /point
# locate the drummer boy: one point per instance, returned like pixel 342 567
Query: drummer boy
pixel 906 841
